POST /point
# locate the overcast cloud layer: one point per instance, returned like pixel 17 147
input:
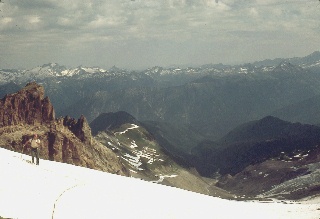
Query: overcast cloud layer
pixel 142 33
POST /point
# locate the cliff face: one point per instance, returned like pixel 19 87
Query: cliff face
pixel 64 139
pixel 81 128
pixel 28 106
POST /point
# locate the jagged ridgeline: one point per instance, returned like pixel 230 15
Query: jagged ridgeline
pixel 207 117
pixel 211 104
pixel 67 140
pixel 210 99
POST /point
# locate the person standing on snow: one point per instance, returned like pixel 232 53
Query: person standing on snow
pixel 35 144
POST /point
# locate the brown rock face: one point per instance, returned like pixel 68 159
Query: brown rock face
pixel 81 128
pixel 28 106
pixel 65 140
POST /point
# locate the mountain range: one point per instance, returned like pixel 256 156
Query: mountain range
pixel 204 124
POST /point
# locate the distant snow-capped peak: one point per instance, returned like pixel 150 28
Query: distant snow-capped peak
pixel 81 70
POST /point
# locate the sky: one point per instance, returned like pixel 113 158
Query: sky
pixel 136 34
pixel 57 190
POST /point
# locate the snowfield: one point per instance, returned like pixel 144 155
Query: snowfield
pixel 57 190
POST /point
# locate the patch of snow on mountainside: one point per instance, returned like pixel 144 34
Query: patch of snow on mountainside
pixel 315 64
pixel 133 144
pixel 68 72
pixel 146 153
pixel 57 190
pixel 134 161
pixel 243 70
pixel 133 126
pixel 138 154
pixel 7 75
pixel 162 177
pixel 93 70
pixel 267 68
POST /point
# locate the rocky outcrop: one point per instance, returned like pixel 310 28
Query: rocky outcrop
pixel 67 140
pixel 81 128
pixel 28 106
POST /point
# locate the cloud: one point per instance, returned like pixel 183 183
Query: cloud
pixel 101 25
pixel 5 21
pixel 253 12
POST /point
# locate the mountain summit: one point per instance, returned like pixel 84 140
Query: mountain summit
pixel 28 106
pixel 110 121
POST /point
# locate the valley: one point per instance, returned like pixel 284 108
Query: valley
pixel 248 131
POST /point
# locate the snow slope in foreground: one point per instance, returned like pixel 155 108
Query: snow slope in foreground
pixel 57 190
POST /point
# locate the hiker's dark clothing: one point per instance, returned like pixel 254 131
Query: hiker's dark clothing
pixel 35 143
pixel 35 153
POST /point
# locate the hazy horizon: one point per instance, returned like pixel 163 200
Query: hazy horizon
pixel 137 34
